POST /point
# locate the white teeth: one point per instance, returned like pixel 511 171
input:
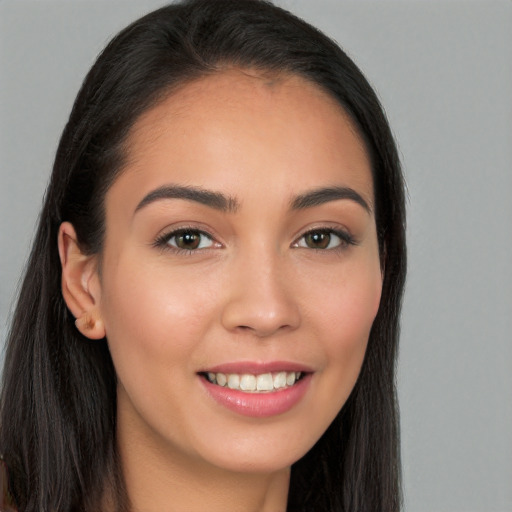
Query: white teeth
pixel 280 380
pixel 248 382
pixel 264 382
pixel 234 381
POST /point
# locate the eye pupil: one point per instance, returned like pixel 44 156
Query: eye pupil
pixel 188 240
pixel 318 240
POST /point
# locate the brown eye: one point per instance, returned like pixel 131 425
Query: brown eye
pixel 324 239
pixel 317 240
pixel 189 240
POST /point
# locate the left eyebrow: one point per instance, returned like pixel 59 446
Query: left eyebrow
pixel 320 196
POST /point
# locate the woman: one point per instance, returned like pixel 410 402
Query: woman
pixel 209 319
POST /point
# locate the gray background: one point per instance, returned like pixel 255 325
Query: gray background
pixel 444 73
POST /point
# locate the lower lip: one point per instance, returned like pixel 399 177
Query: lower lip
pixel 259 405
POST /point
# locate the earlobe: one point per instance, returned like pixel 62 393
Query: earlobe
pixel 80 283
pixel 91 326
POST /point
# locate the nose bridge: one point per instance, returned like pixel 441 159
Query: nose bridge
pixel 260 297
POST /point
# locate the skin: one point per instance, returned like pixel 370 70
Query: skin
pixel 254 291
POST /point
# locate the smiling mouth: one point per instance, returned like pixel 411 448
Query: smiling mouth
pixel 249 383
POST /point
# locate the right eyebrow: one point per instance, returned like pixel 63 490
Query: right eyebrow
pixel 210 198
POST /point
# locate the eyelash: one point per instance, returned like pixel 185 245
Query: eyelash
pixel 346 239
pixel 162 242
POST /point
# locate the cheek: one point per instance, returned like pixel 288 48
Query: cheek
pixel 151 312
pixel 155 321
pixel 344 315
pixel 339 313
pixel 346 302
pixel 355 315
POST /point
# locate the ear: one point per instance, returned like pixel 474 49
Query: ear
pixel 80 283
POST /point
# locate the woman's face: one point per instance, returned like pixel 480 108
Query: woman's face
pixel 240 249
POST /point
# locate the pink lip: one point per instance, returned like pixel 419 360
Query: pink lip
pixel 258 405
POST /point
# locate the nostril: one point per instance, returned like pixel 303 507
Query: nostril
pixel 263 331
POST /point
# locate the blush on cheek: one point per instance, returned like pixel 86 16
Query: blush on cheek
pixel 362 301
pixel 367 295
pixel 351 324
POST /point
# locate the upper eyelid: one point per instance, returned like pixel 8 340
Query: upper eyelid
pixel 162 240
pixel 345 237
pixel 174 233
pixel 328 228
pixel 172 230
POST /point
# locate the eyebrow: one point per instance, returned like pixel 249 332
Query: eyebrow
pixel 320 196
pixel 228 204
pixel 215 200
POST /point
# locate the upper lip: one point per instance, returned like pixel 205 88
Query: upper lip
pixel 258 367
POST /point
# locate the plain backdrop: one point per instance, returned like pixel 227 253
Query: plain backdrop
pixel 443 70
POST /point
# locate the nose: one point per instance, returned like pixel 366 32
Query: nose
pixel 260 298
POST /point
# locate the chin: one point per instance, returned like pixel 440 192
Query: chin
pixel 261 454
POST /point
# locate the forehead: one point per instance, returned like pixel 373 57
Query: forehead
pixel 241 121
